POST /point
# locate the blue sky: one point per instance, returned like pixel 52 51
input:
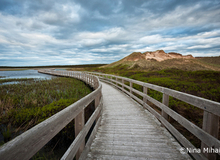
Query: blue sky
pixel 69 32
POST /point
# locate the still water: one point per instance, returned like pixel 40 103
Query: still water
pixel 23 74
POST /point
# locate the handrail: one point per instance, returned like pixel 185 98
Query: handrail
pixel 208 134
pixel 30 142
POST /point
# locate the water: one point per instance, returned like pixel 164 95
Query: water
pixel 14 82
pixel 61 69
pixel 23 74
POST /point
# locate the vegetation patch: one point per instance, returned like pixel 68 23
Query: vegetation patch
pixel 16 80
pixel 30 102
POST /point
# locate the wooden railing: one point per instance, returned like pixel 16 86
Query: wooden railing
pixel 209 132
pixel 30 142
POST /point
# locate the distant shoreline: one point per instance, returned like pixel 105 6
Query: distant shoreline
pixel 17 68
pixel 13 69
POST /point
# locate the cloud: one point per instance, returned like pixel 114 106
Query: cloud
pixel 81 32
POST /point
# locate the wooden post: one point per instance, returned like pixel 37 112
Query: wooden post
pixel 123 82
pixel 165 102
pixel 79 124
pixel 88 81
pixel 97 101
pixel 145 92
pixel 131 85
pixel 211 126
pixel 94 82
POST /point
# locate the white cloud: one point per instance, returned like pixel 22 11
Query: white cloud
pixel 110 34
pixel 79 32
pixel 152 39
pixel 91 42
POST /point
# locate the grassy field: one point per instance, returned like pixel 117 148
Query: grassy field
pixel 214 61
pixel 205 83
pixel 30 102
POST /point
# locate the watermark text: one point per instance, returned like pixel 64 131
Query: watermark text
pixel 199 150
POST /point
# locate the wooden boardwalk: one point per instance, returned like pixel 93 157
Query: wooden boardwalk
pixel 128 131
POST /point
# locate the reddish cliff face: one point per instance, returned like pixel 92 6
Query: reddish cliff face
pixel 177 55
pixel 158 55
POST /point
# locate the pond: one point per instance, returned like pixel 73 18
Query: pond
pixel 23 74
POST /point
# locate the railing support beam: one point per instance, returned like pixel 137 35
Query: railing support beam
pixel 210 125
pixel 123 82
pixel 131 86
pixel 165 102
pixel 145 92
pixel 79 124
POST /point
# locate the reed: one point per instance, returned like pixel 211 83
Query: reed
pixel 31 101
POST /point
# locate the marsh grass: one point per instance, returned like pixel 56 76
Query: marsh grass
pixel 16 80
pixel 30 102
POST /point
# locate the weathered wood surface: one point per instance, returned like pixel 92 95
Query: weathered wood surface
pixel 128 131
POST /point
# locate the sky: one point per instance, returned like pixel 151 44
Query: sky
pixel 71 32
